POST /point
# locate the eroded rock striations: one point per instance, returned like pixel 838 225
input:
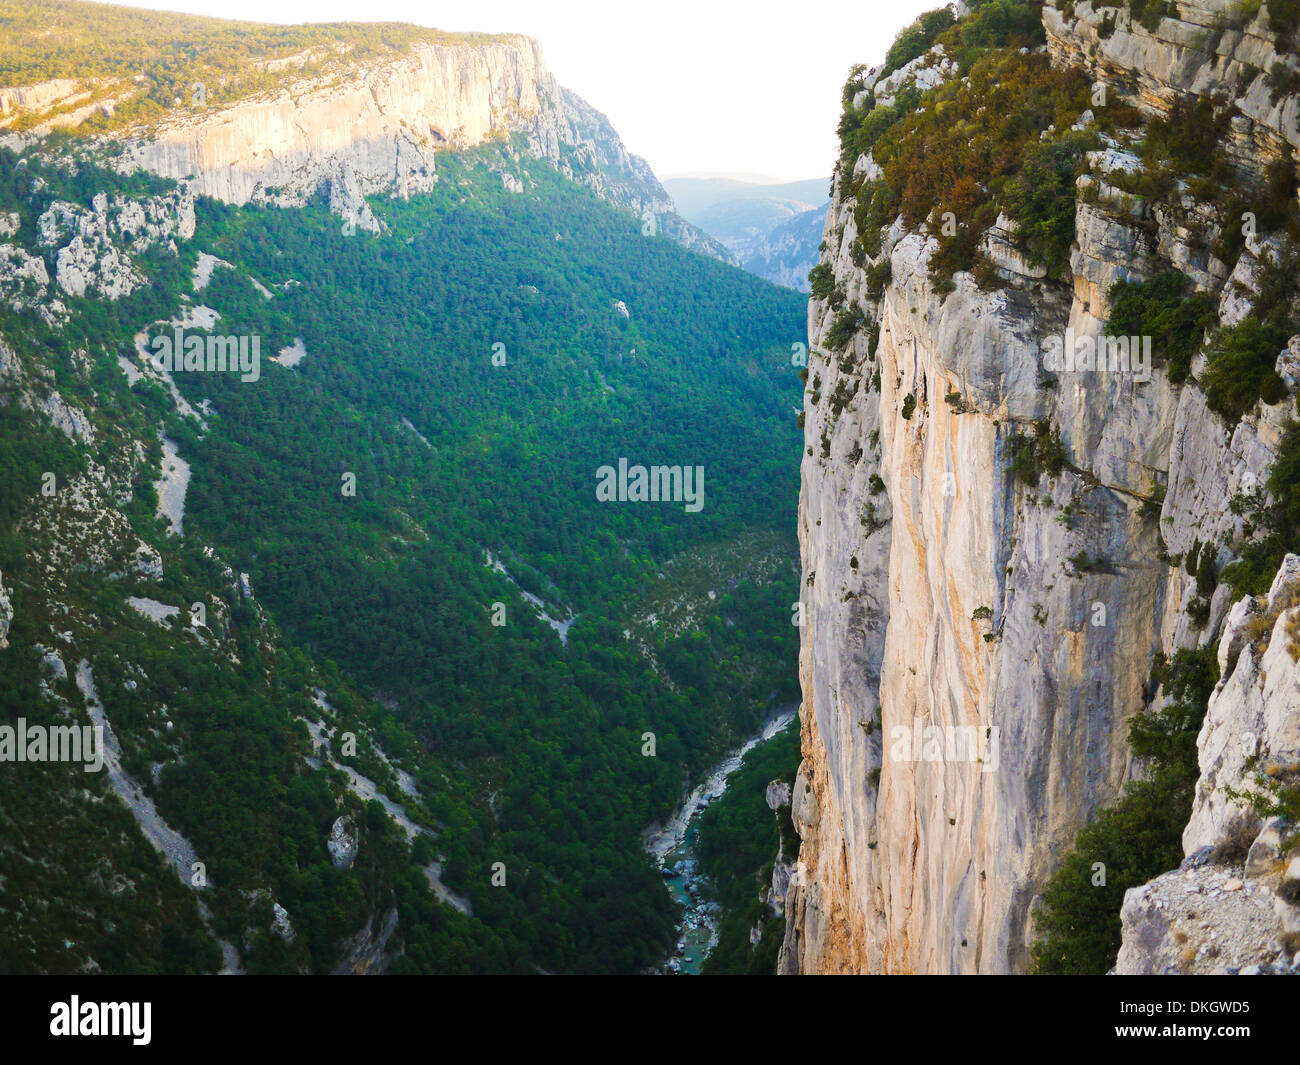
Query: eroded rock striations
pixel 975 648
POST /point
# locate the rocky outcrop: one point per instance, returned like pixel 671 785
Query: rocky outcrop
pixel 945 600
pixel 1254 716
pixel 974 646
pixel 924 72
pixel 281 925
pixel 366 953
pixel 6 615
pixel 778 797
pixel 584 146
pixel 375 130
pixel 34 392
pixel 93 247
pixel 38 97
pixel 1234 905
pixel 1209 920
pixel 342 844
pixel 1211 46
pixel 773 894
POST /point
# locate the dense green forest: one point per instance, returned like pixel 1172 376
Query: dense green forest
pixel 527 750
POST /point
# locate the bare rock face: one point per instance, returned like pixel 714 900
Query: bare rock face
pixel 6 615
pixel 1234 905
pixel 365 953
pixel 777 795
pixel 1207 920
pixel 1208 47
pixel 1254 715
pixel 281 925
pixel 37 97
pixel 21 275
pixel 342 844
pixel 924 72
pixel 94 246
pixel 377 129
pixel 966 674
pixel 382 125
pixel 975 646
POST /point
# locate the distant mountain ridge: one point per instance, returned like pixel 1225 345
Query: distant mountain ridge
pixel 773 228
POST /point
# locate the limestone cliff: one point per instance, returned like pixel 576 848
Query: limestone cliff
pixel 374 127
pixel 1234 904
pixel 975 646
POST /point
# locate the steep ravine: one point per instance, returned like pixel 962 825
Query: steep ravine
pixel 975 648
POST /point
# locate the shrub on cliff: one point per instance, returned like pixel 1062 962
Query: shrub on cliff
pixel 1150 13
pixel 1190 138
pixel 1011 24
pixel 1241 370
pixel 1162 309
pixel 822 281
pixel 1283 19
pixel 916 39
pixel 972 148
pixel 1002 24
pixel 1273 521
pixel 1032 456
pixel 1041 199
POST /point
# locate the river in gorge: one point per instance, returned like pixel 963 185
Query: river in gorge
pixel 673 847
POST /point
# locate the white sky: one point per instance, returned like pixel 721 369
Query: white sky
pixel 692 85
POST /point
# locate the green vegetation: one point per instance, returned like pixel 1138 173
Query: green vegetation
pixel 822 281
pixel 525 750
pixel 992 24
pixel 1282 80
pixel 954 158
pixel 1242 358
pixel 1162 309
pixel 1276 794
pixel 1032 456
pixel 844 327
pixel 1241 369
pixel 406 330
pixel 1138 838
pixel 144 921
pixel 1273 522
pixel 916 39
pixel 1284 20
pixel 1041 198
pixel 1150 13
pixel 739 840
